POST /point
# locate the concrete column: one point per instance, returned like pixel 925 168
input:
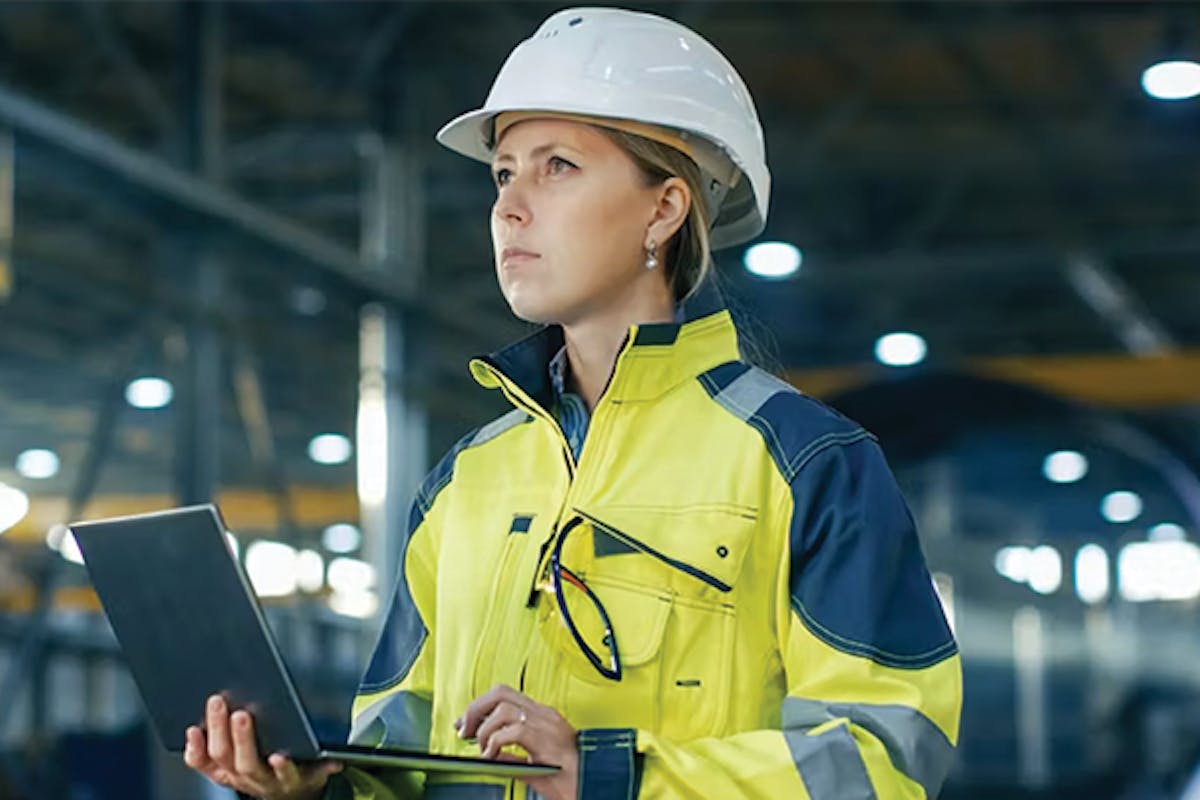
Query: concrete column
pixel 392 430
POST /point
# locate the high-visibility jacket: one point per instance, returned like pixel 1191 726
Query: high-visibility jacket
pixel 778 630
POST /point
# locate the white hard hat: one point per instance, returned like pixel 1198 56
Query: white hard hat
pixel 615 64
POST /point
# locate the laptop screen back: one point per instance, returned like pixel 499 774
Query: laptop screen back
pixel 189 625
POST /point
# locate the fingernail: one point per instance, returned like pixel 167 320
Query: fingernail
pixel 215 703
pixel 458 723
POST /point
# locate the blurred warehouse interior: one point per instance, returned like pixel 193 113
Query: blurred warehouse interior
pixel 234 264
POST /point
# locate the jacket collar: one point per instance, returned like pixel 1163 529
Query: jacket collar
pixel 655 359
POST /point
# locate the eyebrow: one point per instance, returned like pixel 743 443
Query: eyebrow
pixel 536 152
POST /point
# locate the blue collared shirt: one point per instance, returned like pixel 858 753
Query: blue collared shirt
pixel 569 408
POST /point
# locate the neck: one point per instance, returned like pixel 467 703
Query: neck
pixel 594 343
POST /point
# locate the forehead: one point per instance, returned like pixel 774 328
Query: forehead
pixel 527 135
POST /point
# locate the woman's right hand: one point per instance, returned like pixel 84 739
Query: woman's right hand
pixel 228 756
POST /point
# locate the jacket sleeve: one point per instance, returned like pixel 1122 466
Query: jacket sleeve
pixel 874 685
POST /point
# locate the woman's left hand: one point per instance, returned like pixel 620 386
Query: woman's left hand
pixel 503 716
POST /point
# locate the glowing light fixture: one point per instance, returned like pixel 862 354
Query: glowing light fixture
pixel 1122 506
pixel 149 393
pixel 1159 571
pixel 1045 570
pixel 341 538
pixel 1091 573
pixel 1172 80
pixel 272 568
pixel 330 448
pixel 773 260
pixel 37 464
pixel 900 349
pixel 1065 466
pixel 1167 532
pixel 14 505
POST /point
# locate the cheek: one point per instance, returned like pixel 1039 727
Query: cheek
pixel 611 236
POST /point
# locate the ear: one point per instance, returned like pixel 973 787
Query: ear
pixel 673 202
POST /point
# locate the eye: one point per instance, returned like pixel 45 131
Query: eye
pixel 558 164
pixel 501 177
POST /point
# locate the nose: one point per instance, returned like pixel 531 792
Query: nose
pixel 512 205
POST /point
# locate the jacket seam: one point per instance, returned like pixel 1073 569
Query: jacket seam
pixel 885 657
pixel 789 467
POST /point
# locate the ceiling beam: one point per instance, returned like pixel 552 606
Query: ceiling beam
pixel 1107 380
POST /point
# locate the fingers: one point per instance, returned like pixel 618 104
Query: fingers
pixel 195 751
pixel 227 753
pixel 506 715
pixel 216 721
pixel 195 755
pixel 246 760
pixel 482 707
pixel 505 736
pixel 290 775
pixel 285 769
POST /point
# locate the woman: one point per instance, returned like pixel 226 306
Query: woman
pixel 663 570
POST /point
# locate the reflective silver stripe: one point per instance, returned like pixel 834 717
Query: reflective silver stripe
pixel 401 719
pixel 749 392
pixel 916 746
pixel 464 791
pixel 830 765
pixel 497 427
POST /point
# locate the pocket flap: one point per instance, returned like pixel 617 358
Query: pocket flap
pixel 708 542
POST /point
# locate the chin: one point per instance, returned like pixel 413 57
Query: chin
pixel 531 309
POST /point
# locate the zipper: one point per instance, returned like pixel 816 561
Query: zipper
pixel 642 547
pixel 521 400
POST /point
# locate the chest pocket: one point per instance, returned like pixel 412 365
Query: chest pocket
pixel 670 591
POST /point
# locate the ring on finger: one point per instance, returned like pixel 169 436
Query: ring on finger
pixel 522 719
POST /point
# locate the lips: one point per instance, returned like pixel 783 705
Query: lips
pixel 513 255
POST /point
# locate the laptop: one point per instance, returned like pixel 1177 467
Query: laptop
pixel 190 626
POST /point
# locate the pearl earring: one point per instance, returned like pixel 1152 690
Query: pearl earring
pixel 651 255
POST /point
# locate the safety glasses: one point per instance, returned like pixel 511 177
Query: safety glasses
pixel 583 613
pixel 571 591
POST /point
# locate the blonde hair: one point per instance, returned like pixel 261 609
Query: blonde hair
pixel 687 255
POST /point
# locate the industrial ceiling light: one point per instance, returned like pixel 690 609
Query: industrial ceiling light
pixel 1172 80
pixel 1013 563
pixel 341 537
pixel 1045 569
pixel 272 568
pixel 773 260
pixel 357 604
pixel 901 349
pixel 1065 466
pixel 1167 532
pixel 14 505
pixel 37 464
pixel 149 393
pixel 350 575
pixel 1159 571
pixel 1091 573
pixel 310 571
pixel 330 448
pixel 1122 506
